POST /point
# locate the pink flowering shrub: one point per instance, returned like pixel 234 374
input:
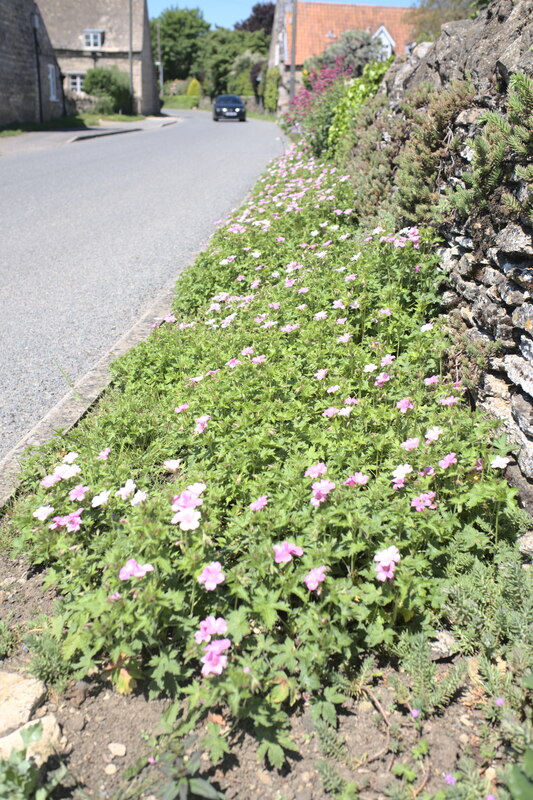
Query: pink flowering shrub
pixel 217 528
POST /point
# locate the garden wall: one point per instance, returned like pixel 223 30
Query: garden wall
pixel 488 258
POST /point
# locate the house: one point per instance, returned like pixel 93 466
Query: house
pixel 319 24
pixel 30 86
pixel 103 33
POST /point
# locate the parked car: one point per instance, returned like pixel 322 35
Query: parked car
pixel 229 106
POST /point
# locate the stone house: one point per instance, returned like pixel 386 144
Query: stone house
pixel 30 85
pixel 100 33
pixel 321 24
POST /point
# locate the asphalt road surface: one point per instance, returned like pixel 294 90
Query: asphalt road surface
pixel 92 232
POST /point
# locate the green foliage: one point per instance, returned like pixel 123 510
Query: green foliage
pixel 356 93
pixel 20 777
pixel 182 31
pixel 270 97
pixel 353 50
pixel 519 778
pixel 241 78
pixel 7 639
pixel 334 784
pixel 505 147
pixel 47 662
pixel 194 88
pixel 217 54
pixel 111 87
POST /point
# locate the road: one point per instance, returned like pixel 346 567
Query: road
pixel 92 232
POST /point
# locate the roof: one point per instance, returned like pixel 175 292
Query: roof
pixel 66 20
pixel 321 24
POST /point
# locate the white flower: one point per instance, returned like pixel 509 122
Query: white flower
pixel 138 498
pixel 100 499
pixel 126 490
pixel 66 471
pixel 402 471
pixel 427 327
pixel 499 462
pixel 70 458
pixel 172 464
pixel 370 368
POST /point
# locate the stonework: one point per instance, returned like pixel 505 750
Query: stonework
pixel 70 23
pixel 487 265
pixel 30 86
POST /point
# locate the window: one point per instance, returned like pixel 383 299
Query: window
pixel 75 82
pixel 52 81
pixel 93 39
pixel 386 40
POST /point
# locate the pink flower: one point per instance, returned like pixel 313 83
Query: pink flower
pixel 210 627
pixel 449 401
pixel 388 359
pixel 423 501
pixel 432 434
pixel 126 491
pixel 386 561
pixel 285 551
pixel 138 498
pixel 333 389
pixel 183 407
pixel 415 712
pixel 289 282
pixel 314 577
pixel 427 471
pixel 430 381
pixel 269 324
pixel 357 479
pixel 114 596
pixel 450 780
pixel 260 503
pixel 382 379
pixel 321 489
pixel 303 290
pixel 73 521
pixel 316 470
pixel 132 569
pixel 255 284
pixel 78 493
pixel 233 362
pixel 289 328
pixel 321 374
pixel 447 461
pixel 341 321
pixel 43 512
pixel 201 423
pixel 499 462
pixel 330 412
pixel 66 471
pixel 404 404
pixel 258 359
pixel 50 480
pixel 211 576
pixel 103 455
pixel 100 499
pixel 351 277
pixel 385 312
pixel 247 351
pixel 338 304
pixel 344 338
pixel 70 458
pixel 321 315
pixel 410 444
pixel 213 661
pixel 172 464
pixel 351 401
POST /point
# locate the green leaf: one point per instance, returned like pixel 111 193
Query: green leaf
pixel 215 743
pixel 204 789
pixel 32 734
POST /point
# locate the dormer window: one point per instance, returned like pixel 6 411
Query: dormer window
pixel 93 39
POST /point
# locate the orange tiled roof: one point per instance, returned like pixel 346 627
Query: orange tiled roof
pixel 321 24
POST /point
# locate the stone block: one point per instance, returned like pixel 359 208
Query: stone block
pixel 522 411
pixel 520 372
pixel 491 277
pixel 510 293
pixel 525 459
pixel 523 317
pixel 465 265
pixel 19 698
pixel 513 240
pixel 50 742
pixel 526 347
pixel 449 300
pixel 494 386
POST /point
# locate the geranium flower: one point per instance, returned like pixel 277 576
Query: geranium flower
pixel 201 423
pixel 330 412
pixel 213 661
pixel 70 458
pixel 260 503
pixel 404 404
pixel 127 490
pixel 370 368
pixel 43 512
pixel 316 470
pixel 386 561
pixel 101 499
pixel 187 518
pixel 351 401
pixel 447 461
pixel 333 389
pixel 103 455
pixel 50 480
pixel 388 359
pixel 172 464
pixel 211 576
pixel 321 489
pixel 314 578
pixel 499 462
pixel 285 551
pixel 423 501
pixel 138 498
pixel 432 434
pixel 431 380
pixel 382 379
pixel 357 479
pixel 66 471
pixel 210 627
pixel 258 359
pixel 78 493
pixel 233 362
pixel 321 374
pixel 180 409
pixel 449 401
pixel 344 338
pixel 410 444
pixel 132 569
pixel 247 351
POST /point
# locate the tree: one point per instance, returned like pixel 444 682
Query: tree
pixel 182 30
pixel 261 19
pixel 217 52
pixel 244 73
pixel 353 50
pixel 430 15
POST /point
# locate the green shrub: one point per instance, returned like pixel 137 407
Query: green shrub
pixel 270 97
pixel 110 86
pixel 194 89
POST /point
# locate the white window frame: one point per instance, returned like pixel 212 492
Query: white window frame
pixel 77 79
pixel 93 39
pixel 52 82
pixel 388 42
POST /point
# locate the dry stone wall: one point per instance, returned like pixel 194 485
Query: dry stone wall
pixel 487 262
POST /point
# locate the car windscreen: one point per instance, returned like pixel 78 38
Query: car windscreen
pixel 228 98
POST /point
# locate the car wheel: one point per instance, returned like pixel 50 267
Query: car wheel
pixel 215 118
pixel 243 119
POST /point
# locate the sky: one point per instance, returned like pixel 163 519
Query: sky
pixel 227 12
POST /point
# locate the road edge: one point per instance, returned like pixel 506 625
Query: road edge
pixel 70 409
